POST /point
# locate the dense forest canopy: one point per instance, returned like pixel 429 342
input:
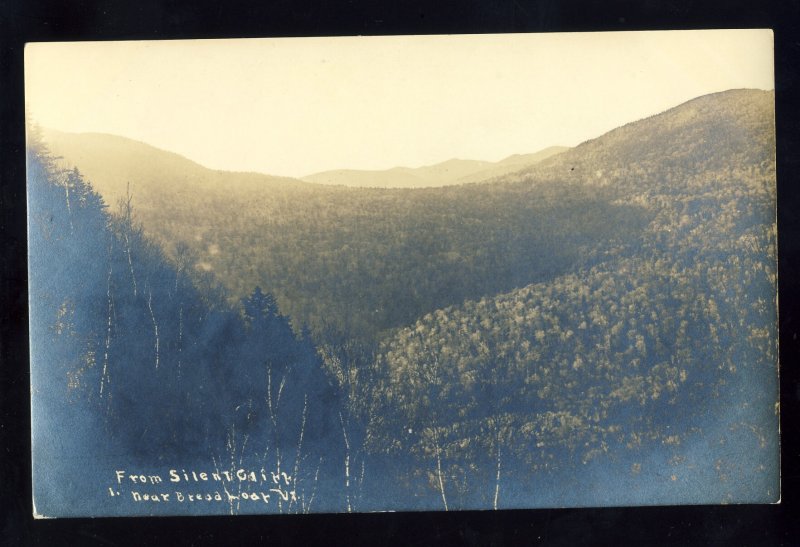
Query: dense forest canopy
pixel 355 262
pixel 594 328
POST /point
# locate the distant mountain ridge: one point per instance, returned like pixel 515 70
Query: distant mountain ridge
pixel 105 159
pixel 446 173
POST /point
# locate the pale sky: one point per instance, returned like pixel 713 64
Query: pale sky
pixel 296 106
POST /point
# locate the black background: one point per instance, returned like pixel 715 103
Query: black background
pixel 24 21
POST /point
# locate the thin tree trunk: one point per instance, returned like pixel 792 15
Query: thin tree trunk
pixel 69 207
pixel 346 465
pixel 153 317
pixel 300 444
pixel 439 467
pixel 497 478
pixel 104 379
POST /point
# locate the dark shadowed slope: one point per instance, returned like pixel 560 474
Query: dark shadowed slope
pixel 133 368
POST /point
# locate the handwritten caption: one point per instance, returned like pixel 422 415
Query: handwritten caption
pixel 193 486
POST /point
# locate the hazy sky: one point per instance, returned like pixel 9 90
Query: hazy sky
pixel 295 106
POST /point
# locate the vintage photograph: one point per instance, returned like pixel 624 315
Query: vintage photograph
pixel 402 273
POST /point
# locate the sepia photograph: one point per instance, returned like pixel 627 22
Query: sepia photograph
pixel 402 273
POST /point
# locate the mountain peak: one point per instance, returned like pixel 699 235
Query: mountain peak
pixel 722 128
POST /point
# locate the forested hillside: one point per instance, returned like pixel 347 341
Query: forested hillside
pixel 661 360
pixel 598 328
pixel 354 262
pixel 134 368
pixel 671 343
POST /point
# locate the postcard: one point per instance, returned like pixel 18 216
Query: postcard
pixel 402 273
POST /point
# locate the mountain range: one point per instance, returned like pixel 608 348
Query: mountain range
pixel 385 255
pixel 378 258
pixel 597 327
pixel 454 171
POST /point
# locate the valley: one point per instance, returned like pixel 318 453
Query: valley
pixel 596 316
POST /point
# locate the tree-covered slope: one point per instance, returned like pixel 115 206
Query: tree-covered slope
pixel 710 133
pixel 360 261
pixel 595 329
pixel 659 362
pixel 117 166
pixel 134 369
pixel 356 261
